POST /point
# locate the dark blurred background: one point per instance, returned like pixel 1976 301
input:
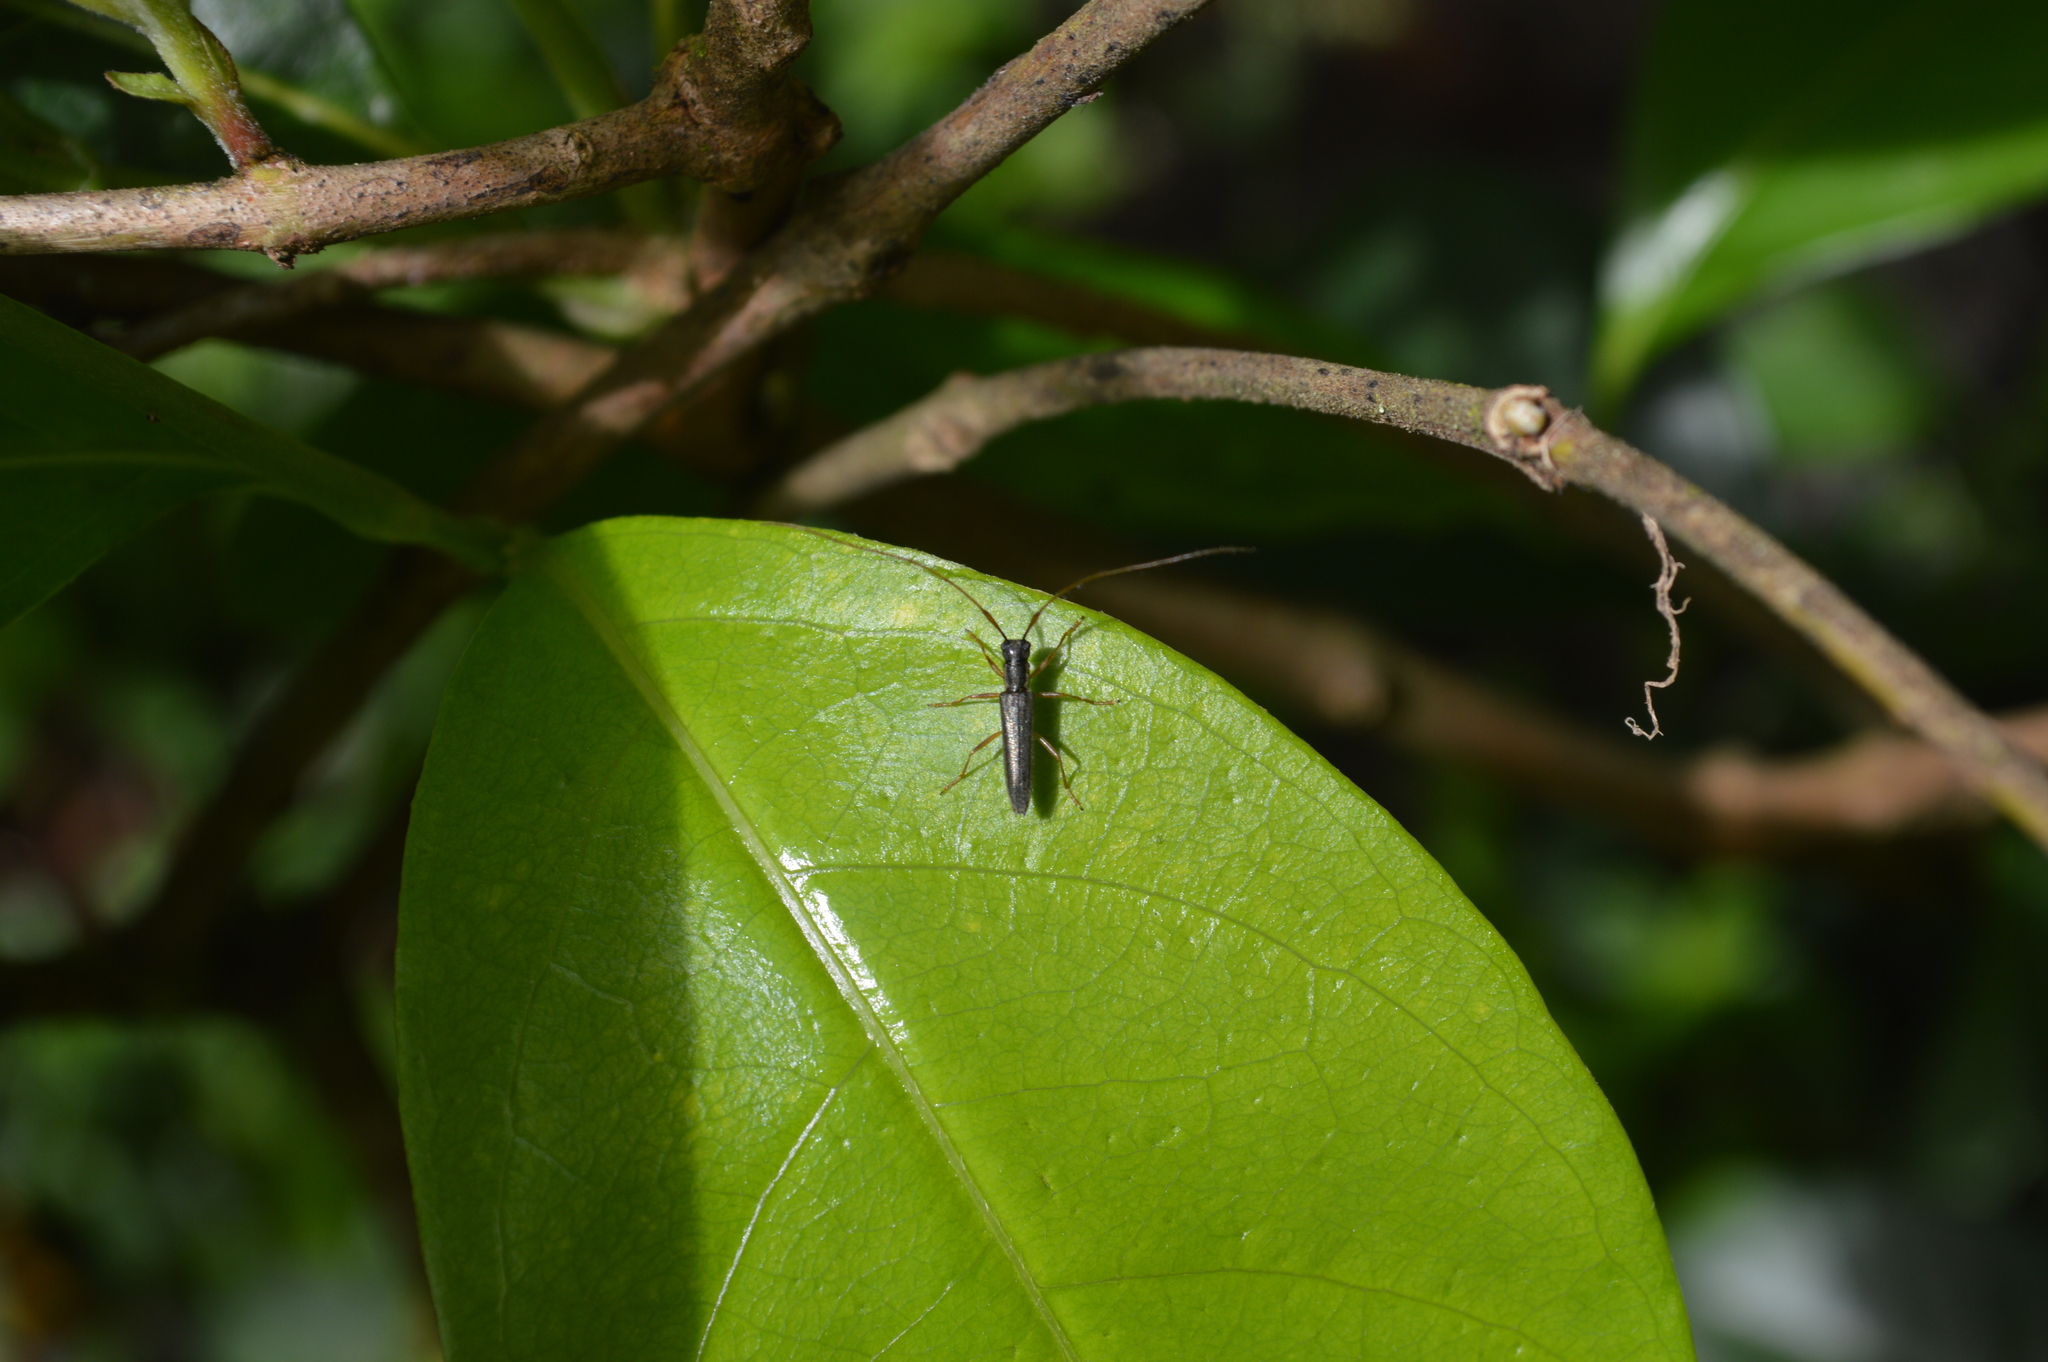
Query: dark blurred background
pixel 1828 1049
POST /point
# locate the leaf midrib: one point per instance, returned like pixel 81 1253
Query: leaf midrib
pixel 817 934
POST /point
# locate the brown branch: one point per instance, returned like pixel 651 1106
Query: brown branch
pixel 654 263
pixel 1911 692
pixel 1552 446
pixel 838 249
pixel 654 260
pixel 176 304
pixel 662 269
pixel 732 220
pixel 715 115
pixel 1348 676
pixel 505 362
pixel 234 309
pixel 132 287
pixel 518 365
pixel 170 304
pixel 1331 670
pixel 1875 785
pixel 942 431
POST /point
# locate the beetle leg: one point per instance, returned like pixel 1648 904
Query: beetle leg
pixel 1084 699
pixel 1060 761
pixel 947 704
pixel 965 765
pixel 1054 651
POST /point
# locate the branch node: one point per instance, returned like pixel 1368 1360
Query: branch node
pixel 1522 421
pixel 1667 576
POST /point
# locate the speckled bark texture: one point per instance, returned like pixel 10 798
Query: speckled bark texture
pixel 724 110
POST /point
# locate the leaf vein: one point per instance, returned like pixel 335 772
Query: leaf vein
pixel 819 925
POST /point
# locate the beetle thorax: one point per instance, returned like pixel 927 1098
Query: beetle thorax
pixel 1016 663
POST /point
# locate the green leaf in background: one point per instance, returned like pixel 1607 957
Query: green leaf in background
pixel 1839 376
pixel 725 1033
pixel 1777 143
pixel 1183 289
pixel 94 445
pixel 500 88
pixel 37 158
pixel 334 90
pixel 585 77
pixel 889 67
pixel 577 63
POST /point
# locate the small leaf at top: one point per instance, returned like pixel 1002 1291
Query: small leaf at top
pixel 149 85
pixel 1779 143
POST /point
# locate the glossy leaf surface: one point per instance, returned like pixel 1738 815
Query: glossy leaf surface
pixel 94 445
pixel 1776 143
pixel 725 1033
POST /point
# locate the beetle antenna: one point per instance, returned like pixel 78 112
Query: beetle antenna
pixel 1133 567
pixel 906 558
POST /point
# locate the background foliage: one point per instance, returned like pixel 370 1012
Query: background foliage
pixel 1789 249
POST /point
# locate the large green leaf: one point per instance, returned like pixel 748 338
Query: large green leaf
pixel 1778 142
pixel 94 445
pixel 726 1033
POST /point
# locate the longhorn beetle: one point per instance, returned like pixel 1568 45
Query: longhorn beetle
pixel 1019 734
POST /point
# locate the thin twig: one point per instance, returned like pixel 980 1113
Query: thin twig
pixel 173 304
pixel 498 361
pixel 1551 445
pixel 841 246
pixel 522 366
pixel 235 309
pixel 733 219
pixel 657 267
pixel 1667 577
pixel 714 115
pixel 654 263
pixel 529 367
pixel 838 249
pixel 943 430
pixel 1349 676
pixel 1334 671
